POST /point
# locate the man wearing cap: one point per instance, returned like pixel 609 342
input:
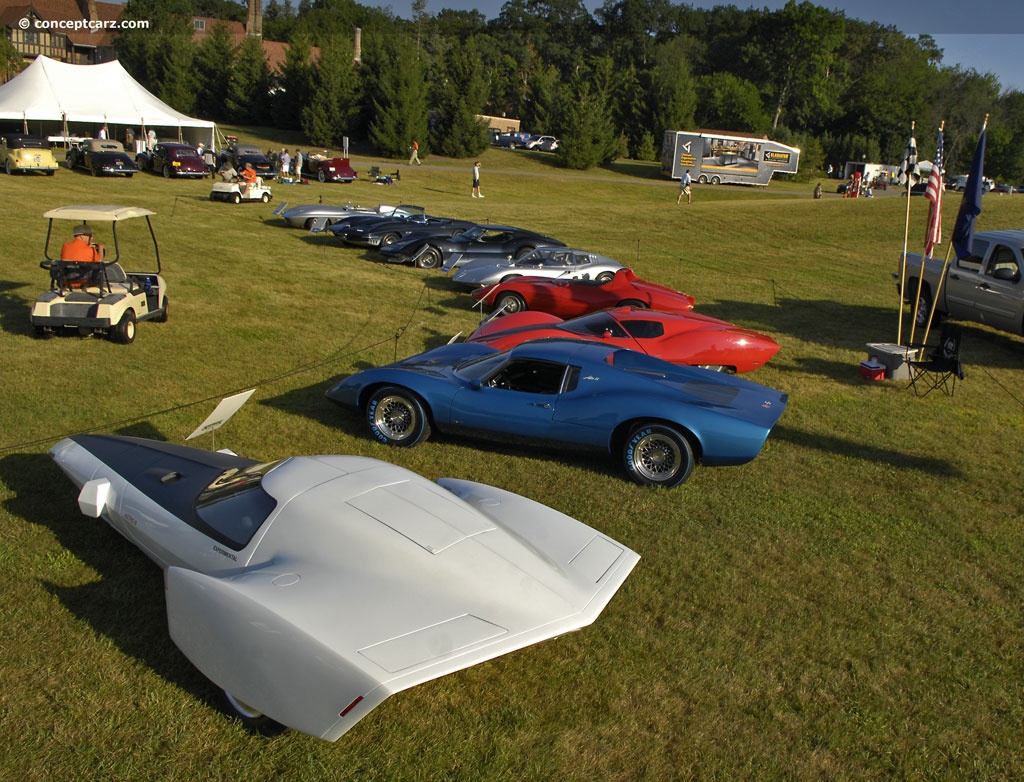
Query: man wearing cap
pixel 81 248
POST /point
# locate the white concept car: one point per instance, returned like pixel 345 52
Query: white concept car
pixel 312 588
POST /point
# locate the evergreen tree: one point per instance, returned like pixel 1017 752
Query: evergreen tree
pixel 214 61
pixel 249 84
pixel 589 137
pixel 399 100
pixel 10 60
pixel 460 94
pixel 175 55
pixel 327 118
pixel 298 77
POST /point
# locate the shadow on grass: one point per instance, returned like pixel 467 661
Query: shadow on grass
pixel 638 169
pixel 859 450
pixel 14 307
pixel 126 602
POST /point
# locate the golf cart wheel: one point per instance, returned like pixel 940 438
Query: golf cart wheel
pixel 322 175
pixel 124 332
pixel 430 259
pixel 253 720
pixel 213 197
pixel 657 455
pixel 397 417
pixel 236 198
pixel 162 317
pixel 265 198
pixel 510 302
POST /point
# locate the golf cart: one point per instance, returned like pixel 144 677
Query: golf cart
pixel 97 297
pixel 236 192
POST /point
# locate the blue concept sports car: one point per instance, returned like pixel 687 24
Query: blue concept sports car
pixel 658 418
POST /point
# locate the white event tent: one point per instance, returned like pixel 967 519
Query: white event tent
pixel 77 99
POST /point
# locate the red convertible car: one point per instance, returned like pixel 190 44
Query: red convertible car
pixel 571 298
pixel 680 338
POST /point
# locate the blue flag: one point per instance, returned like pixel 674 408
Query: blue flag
pixel 970 206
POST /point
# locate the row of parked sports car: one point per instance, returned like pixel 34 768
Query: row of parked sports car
pixel 267 586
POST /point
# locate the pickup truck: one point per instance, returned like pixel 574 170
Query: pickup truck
pixel 984 287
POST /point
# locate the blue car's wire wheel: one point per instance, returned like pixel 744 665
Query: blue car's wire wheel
pixel 657 455
pixel 396 417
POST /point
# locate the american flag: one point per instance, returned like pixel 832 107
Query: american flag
pixel 933 192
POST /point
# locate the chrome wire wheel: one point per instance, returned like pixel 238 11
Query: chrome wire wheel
pixel 657 455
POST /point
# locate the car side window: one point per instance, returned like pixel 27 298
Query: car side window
pixel 644 329
pixel 530 376
pixel 973 261
pixel 1003 258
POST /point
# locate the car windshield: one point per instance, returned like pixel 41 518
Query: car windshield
pixel 479 368
pixel 473 233
pixel 596 325
pixel 28 143
pixel 235 504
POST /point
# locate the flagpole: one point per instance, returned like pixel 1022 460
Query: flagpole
pixel 903 259
pixel 920 278
pixel 938 290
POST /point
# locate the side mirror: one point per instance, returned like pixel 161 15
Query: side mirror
pixel 476 384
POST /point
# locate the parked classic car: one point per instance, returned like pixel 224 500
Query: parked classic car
pixel 101 157
pixel 173 160
pixel 481 241
pixel 542 143
pixel 555 262
pixel 319 216
pixel 324 169
pixel 26 154
pixel 572 298
pixel 312 588
pixel 383 231
pixel 679 338
pixel 657 418
pixel 240 154
pixel 98 297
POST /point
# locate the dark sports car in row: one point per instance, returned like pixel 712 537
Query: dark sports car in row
pixel 679 338
pixel 173 160
pixel 101 157
pixel 383 231
pixel 571 298
pixel 480 241
pixel 658 419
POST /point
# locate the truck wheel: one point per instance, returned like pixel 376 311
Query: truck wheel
pixel 702 180
pixel 924 308
pixel 716 180
pixel 124 332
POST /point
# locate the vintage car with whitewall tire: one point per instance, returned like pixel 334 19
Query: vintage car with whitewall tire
pixel 23 154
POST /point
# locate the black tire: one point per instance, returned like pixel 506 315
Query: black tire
pixel 924 309
pixel 523 251
pixel 308 224
pixel 510 302
pixel 429 259
pixel 213 197
pixel 129 176
pixel 657 455
pixel 167 172
pixel 604 277
pixel 7 167
pixel 93 171
pixel 124 332
pixel 41 332
pixel 51 172
pixel 632 303
pixel 703 180
pixel 387 239
pixel 266 198
pixel 162 317
pixel 253 720
pixel 716 180
pixel 322 175
pixel 236 198
pixel 396 417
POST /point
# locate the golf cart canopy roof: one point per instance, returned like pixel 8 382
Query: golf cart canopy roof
pixel 102 213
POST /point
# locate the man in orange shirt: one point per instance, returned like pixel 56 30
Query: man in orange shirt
pixel 248 178
pixel 81 248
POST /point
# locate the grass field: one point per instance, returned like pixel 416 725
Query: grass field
pixel 847 606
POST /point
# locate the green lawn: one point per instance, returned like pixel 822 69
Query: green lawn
pixel 847 606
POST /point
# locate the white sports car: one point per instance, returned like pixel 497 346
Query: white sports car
pixel 312 588
pixel 561 263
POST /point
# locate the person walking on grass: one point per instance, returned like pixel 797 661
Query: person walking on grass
pixel 684 188
pixel 415 157
pixel 476 180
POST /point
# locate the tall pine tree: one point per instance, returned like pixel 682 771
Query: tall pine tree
pixel 399 103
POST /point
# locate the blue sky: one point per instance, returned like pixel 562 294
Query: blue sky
pixel 987 35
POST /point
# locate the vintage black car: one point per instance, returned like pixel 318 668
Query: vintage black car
pixel 173 160
pixel 240 154
pixel 101 157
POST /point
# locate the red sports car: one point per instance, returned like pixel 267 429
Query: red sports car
pixel 571 298
pixel 681 338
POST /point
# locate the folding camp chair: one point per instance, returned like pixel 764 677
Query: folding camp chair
pixel 941 367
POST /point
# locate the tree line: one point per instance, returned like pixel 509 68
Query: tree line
pixel 608 83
